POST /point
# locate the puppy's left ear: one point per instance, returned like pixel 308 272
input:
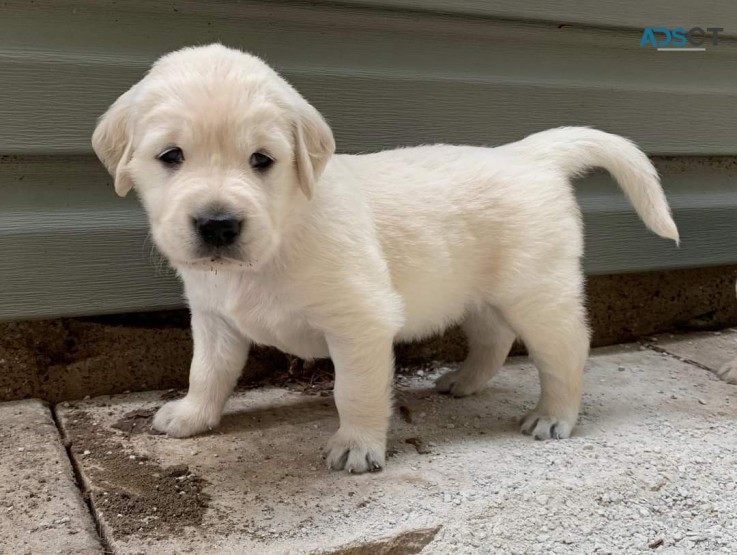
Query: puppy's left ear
pixel 112 141
pixel 314 145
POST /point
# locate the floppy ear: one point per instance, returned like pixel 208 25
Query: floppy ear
pixel 314 145
pixel 112 142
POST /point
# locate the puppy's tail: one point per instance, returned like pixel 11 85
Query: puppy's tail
pixel 574 150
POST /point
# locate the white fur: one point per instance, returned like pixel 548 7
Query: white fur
pixel 344 255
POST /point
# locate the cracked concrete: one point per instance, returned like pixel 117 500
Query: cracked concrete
pixel 651 467
pixel 709 350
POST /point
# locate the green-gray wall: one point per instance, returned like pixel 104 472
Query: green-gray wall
pixel 384 73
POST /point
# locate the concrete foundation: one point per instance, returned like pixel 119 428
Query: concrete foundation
pixel 72 358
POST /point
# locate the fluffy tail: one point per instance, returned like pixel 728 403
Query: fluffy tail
pixel 574 150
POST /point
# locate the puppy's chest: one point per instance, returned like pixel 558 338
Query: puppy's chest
pixel 265 314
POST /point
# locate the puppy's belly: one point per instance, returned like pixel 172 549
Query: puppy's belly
pixel 425 317
pixel 302 342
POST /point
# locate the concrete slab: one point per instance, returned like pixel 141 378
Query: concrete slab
pixel 41 509
pixel 712 350
pixel 651 466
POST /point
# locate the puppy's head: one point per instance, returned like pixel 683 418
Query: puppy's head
pixel 221 150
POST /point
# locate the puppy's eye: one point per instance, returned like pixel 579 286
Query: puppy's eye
pixel 172 157
pixel 260 161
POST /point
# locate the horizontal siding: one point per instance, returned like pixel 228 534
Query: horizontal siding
pixel 620 13
pixel 400 79
pixel 71 246
pixel 384 73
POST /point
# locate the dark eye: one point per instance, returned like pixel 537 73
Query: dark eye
pixel 172 157
pixel 260 161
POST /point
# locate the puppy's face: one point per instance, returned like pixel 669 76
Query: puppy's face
pixel 222 152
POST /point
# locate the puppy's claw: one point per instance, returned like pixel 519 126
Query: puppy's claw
pixel 355 453
pixel 373 465
pixel 340 463
pixel 543 427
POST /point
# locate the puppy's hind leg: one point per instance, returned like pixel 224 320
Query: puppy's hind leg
pixel 489 340
pixel 552 323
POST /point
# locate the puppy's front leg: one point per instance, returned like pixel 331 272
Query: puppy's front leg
pixel 363 383
pixel 220 353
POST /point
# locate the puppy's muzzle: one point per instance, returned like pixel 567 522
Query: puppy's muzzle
pixel 218 231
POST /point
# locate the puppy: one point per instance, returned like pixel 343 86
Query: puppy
pixel 280 242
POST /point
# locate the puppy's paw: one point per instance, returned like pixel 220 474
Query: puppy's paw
pixel 543 426
pixel 183 418
pixel 355 452
pixel 728 372
pixel 458 383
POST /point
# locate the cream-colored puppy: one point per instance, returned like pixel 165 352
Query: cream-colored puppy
pixel 279 242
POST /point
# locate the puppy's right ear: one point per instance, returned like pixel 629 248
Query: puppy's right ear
pixel 112 141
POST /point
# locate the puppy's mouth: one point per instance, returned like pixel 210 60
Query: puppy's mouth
pixel 221 259
pixel 215 261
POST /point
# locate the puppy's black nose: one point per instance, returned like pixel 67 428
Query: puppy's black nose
pixel 218 231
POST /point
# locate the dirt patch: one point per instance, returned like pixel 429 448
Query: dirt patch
pixel 171 394
pixel 66 359
pixel 405 413
pixel 419 445
pixel 132 493
pixel 311 377
pixel 136 422
pixel 407 543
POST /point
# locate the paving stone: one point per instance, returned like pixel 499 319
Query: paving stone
pixel 41 508
pixel 713 350
pixel 651 462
